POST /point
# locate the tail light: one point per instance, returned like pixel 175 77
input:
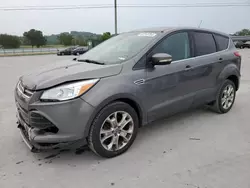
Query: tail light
pixel 237 54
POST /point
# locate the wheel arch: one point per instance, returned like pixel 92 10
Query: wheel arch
pixel 235 80
pixel 126 98
pixel 230 72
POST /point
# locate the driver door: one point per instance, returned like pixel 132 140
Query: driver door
pixel 170 88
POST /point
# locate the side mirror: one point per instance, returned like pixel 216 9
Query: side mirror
pixel 75 59
pixel 161 59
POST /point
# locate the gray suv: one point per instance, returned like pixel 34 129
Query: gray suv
pixel 128 81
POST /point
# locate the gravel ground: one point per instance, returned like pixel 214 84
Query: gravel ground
pixel 190 150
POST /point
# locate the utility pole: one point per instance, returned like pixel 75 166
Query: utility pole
pixel 115 6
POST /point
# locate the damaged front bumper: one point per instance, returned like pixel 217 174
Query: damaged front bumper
pixel 30 137
pixel 50 125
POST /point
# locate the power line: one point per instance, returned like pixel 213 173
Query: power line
pixel 105 6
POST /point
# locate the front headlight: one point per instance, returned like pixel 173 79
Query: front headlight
pixel 68 91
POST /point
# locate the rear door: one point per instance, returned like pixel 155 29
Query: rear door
pixel 205 66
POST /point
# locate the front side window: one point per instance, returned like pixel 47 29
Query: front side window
pixel 204 43
pixel 176 45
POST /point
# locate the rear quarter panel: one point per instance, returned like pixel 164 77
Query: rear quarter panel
pixel 231 64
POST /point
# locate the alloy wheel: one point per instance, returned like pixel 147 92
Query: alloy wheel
pixel 227 97
pixel 116 131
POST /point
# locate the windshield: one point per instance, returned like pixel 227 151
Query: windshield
pixel 119 48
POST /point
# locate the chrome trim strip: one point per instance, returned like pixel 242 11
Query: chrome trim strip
pixel 29 92
pixel 21 90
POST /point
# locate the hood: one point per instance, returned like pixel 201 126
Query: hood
pixel 65 71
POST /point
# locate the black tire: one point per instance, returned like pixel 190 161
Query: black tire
pixel 94 135
pixel 217 106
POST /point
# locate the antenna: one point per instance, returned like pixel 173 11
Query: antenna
pixel 200 24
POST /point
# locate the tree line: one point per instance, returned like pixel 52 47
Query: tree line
pixel 36 38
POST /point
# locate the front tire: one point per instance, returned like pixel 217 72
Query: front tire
pixel 225 97
pixel 113 130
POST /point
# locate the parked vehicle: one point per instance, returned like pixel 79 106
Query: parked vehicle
pixel 246 45
pixel 80 50
pixel 238 44
pixel 242 45
pixel 67 51
pixel 124 83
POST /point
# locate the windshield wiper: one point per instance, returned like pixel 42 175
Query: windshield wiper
pixel 91 61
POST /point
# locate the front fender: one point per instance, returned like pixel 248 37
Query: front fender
pixel 110 90
pixel 116 97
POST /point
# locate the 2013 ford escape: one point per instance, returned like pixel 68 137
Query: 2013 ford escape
pixel 126 82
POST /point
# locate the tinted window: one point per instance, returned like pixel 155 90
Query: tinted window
pixel 222 42
pixel 204 43
pixel 177 45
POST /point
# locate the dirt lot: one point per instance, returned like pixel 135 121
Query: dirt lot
pixel 164 154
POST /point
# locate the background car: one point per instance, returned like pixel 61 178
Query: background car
pixel 246 45
pixel 242 44
pixel 79 50
pixel 67 51
pixel 238 44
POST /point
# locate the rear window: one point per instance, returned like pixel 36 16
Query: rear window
pixel 222 42
pixel 204 43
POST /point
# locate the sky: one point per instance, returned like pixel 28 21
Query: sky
pixel 227 19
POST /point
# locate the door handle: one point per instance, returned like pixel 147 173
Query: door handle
pixel 188 67
pixel 220 60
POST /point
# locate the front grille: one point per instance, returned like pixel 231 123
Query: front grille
pixel 23 114
pixel 23 91
pixel 39 121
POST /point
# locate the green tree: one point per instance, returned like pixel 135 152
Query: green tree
pixel 35 38
pixel 243 32
pixel 65 39
pixel 9 41
pixel 80 40
pixel 105 36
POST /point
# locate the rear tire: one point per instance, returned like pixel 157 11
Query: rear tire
pixel 107 138
pixel 225 98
